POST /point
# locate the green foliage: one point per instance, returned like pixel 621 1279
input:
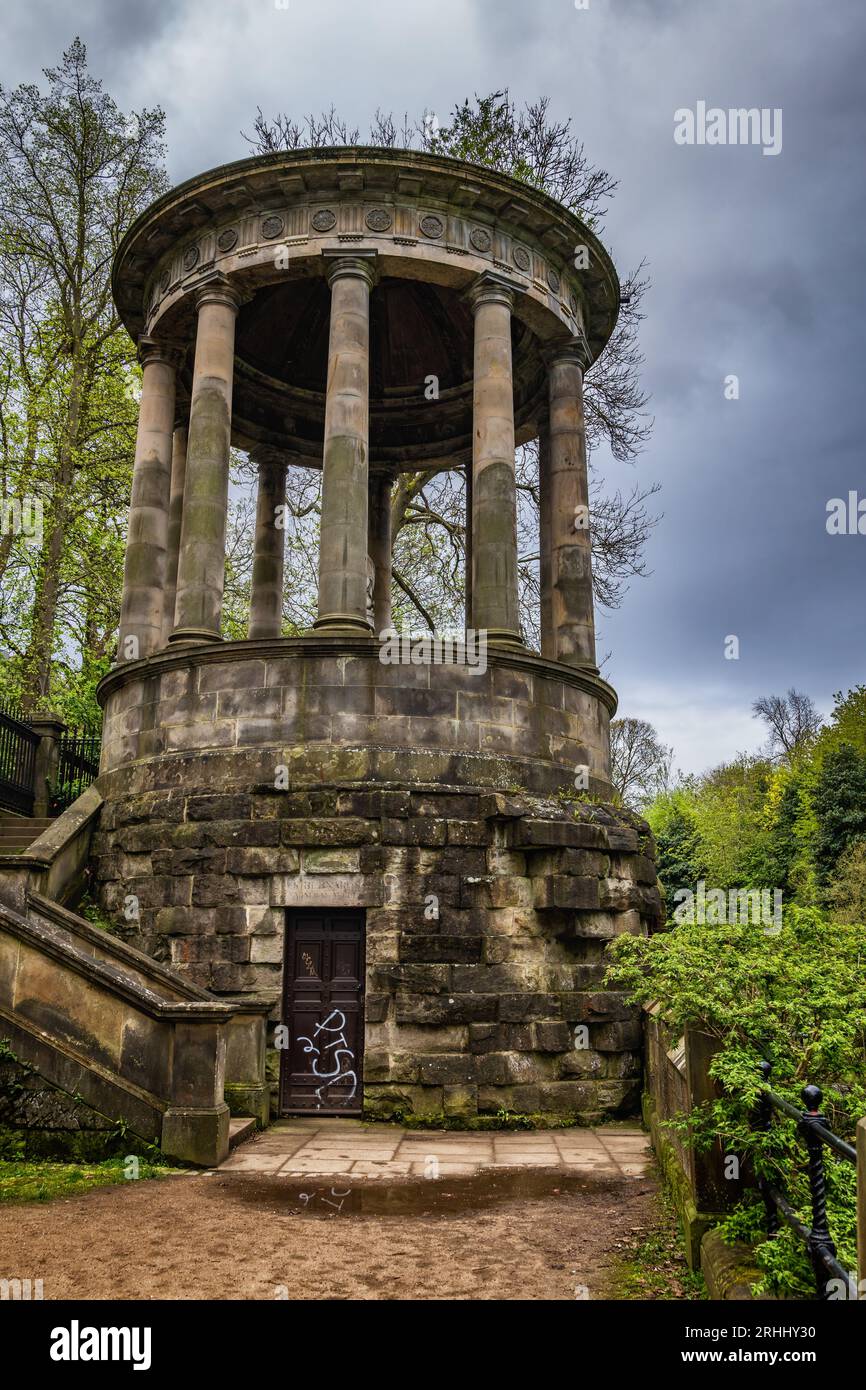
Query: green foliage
pixel 847 724
pixel 840 806
pixel 846 895
pixel 74 172
pixel 40 1182
pixel 491 133
pixel 678 846
pixel 653 1265
pixel 756 823
pixel 796 998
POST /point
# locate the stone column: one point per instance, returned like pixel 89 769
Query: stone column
pixel 467 550
pixel 545 577
pixel 144 569
pixel 201 565
pixel 379 547
pixel 571 623
pixel 266 597
pixel 343 532
pixel 175 518
pixel 494 492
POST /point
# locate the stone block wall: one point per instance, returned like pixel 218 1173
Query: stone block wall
pixel 487 917
pixel 330 710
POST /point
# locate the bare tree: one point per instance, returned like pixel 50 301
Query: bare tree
pixel 792 721
pixel 640 762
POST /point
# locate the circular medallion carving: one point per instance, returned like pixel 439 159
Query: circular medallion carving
pixel 227 240
pixel 521 258
pixel 164 280
pixel 190 257
pixel 480 238
pixel 323 220
pixel 271 227
pixel 573 302
pixel 431 225
pixel 553 280
pixel 378 219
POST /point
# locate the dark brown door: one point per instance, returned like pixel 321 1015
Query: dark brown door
pixel 323 1008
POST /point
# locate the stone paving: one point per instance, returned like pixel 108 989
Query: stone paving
pixel 335 1147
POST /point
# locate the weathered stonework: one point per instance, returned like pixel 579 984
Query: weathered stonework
pixel 436 803
pixel 487 911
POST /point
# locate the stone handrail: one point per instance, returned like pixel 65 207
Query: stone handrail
pixel 54 864
pixel 101 1021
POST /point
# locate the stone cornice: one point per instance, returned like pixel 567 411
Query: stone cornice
pixel 408 204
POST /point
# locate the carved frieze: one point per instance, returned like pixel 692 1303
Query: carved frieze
pixel 323 220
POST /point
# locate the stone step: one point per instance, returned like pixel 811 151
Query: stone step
pixel 8 820
pixel 241 1128
pixel 18 832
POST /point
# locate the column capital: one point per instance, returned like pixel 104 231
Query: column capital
pixel 490 288
pixel 383 472
pixel 574 350
pixel 161 350
pixel 360 264
pixel 218 289
pixel 267 456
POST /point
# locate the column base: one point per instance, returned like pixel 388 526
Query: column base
pixel 343 622
pixel 502 637
pixel 194 634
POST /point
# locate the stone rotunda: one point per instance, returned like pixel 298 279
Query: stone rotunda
pixel 413 862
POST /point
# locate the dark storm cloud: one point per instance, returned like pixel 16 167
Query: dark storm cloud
pixel 756 261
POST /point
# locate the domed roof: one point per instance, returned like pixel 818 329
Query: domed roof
pixel 432 225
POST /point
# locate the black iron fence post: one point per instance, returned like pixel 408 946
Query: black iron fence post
pixel 820 1241
pixel 832 1279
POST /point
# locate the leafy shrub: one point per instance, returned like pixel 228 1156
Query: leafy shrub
pixel 795 997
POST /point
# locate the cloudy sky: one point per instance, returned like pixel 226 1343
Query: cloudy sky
pixel 756 263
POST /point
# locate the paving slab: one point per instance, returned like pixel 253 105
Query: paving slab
pixel 308 1147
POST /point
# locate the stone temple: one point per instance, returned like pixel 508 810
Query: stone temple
pixel 411 867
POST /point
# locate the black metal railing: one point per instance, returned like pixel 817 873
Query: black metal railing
pixel 816 1134
pixel 78 766
pixel 18 744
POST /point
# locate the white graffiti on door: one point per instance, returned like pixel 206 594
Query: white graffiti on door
pixel 338 1047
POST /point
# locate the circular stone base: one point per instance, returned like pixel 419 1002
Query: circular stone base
pixel 252 781
pixel 349 709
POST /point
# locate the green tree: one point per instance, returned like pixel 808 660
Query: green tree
pixel 840 806
pixel 74 173
pixel 679 860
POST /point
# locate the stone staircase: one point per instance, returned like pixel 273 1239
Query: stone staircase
pixel 130 1038
pixel 17 833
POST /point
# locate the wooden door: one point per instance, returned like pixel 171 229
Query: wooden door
pixel 323 1009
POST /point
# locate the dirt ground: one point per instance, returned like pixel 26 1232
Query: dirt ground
pixel 500 1235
